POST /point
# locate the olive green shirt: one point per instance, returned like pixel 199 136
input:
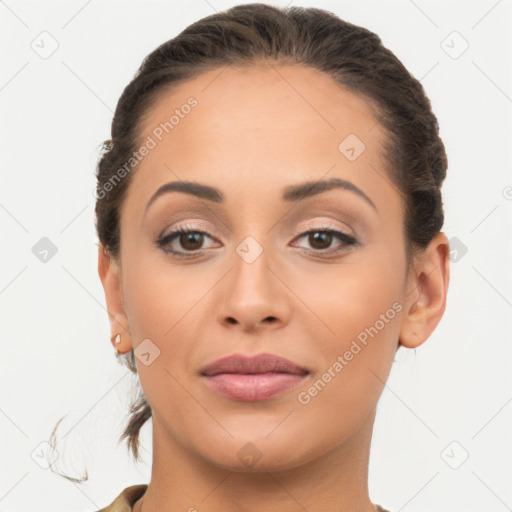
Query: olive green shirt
pixel 125 501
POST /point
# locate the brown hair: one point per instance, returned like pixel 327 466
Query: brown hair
pixel 243 35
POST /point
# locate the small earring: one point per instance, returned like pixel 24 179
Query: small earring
pixel 117 340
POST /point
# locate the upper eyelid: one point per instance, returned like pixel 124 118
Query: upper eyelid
pixel 314 226
pixel 303 232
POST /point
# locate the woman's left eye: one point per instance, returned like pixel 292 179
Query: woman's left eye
pixel 321 239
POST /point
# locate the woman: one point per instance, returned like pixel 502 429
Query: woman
pixel 269 214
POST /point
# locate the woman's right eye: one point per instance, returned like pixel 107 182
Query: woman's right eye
pixel 189 238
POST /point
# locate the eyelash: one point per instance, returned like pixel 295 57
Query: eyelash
pixel 164 241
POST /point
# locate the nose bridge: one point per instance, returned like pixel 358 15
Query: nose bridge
pixel 252 293
pixel 251 277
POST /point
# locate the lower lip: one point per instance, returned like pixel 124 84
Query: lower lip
pixel 253 387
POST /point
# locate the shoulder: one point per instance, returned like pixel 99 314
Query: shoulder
pixel 126 499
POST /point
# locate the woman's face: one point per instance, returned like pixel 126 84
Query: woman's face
pixel 256 282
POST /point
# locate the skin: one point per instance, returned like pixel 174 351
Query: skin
pixel 254 132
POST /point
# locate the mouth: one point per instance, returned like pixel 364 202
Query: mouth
pixel 251 379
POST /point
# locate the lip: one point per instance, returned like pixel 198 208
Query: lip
pixel 254 378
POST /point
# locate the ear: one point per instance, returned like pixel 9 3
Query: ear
pixel 109 270
pixel 426 292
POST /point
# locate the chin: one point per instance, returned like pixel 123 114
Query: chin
pixel 258 454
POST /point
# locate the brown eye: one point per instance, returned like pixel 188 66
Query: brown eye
pixel 320 239
pixel 192 240
pixel 184 241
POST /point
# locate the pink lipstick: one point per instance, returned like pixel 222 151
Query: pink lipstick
pixel 254 378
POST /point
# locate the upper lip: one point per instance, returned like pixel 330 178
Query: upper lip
pixel 261 363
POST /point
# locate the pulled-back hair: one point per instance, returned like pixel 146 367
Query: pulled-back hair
pixel 246 35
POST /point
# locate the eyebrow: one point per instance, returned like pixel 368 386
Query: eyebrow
pixel 292 193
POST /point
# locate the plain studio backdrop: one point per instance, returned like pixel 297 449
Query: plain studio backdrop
pixel 442 435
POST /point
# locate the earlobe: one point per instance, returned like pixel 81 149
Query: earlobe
pixel 111 278
pixel 426 293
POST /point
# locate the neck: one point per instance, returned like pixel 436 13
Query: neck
pixel 335 481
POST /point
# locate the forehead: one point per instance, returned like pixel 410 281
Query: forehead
pixel 248 127
pixel 235 101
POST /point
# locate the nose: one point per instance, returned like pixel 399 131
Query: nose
pixel 254 295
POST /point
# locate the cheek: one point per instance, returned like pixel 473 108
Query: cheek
pixel 360 307
pixel 342 300
pixel 357 358
pixel 165 304
pixel 162 299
